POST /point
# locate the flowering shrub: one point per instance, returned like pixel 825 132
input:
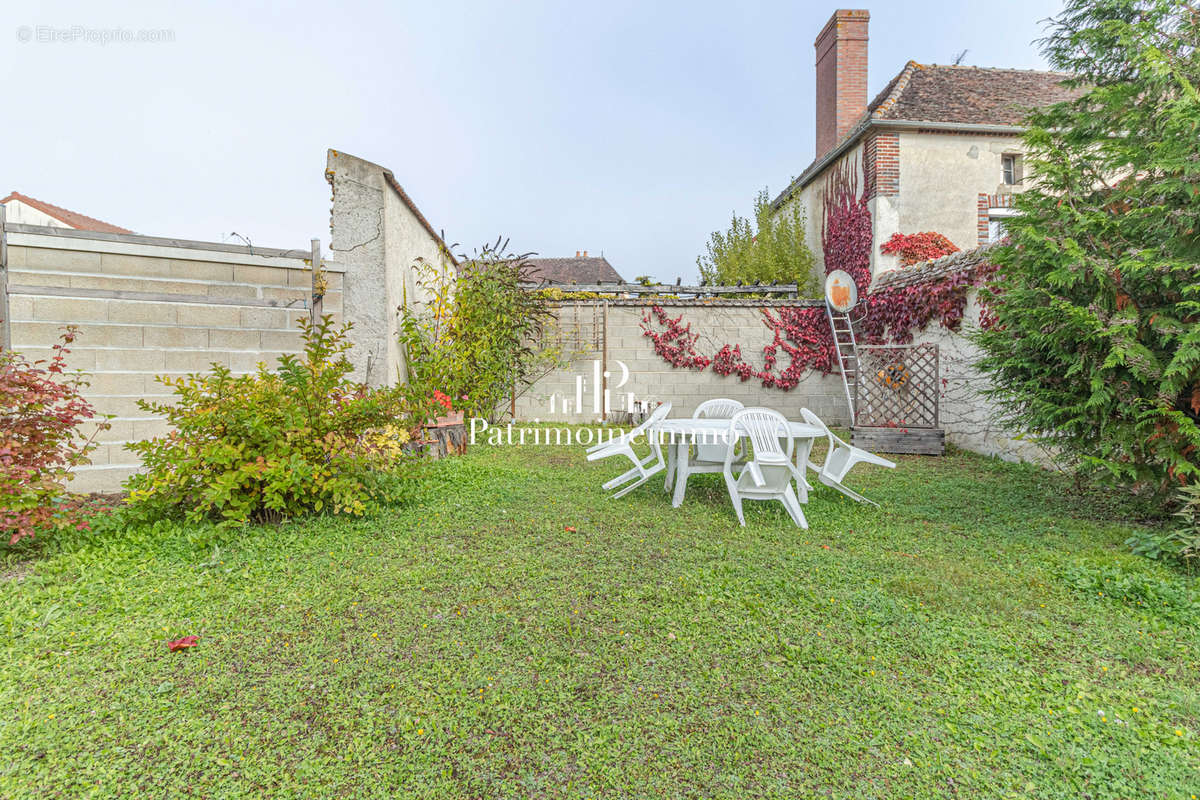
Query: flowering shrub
pixel 475 336
pixel 275 443
pixel 914 248
pixel 41 410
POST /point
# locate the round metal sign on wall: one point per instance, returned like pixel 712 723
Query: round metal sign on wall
pixel 840 292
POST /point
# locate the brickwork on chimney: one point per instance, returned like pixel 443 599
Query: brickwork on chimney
pixel 841 76
pixel 882 165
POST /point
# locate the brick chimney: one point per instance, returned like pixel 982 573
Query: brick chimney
pixel 841 75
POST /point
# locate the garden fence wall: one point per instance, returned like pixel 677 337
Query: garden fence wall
pixel 609 334
pixel 147 307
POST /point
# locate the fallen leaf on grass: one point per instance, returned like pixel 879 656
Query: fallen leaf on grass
pixel 179 644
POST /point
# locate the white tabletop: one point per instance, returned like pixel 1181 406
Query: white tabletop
pixel 702 426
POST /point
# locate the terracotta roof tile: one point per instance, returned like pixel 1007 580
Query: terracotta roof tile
pixel 951 95
pixel 585 269
pixel 969 95
pixel 70 218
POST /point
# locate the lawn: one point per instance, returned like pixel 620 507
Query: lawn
pixel 513 633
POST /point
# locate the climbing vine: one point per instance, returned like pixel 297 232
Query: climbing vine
pixel 914 248
pixel 801 334
pixel 846 226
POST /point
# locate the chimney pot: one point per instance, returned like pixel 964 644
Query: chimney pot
pixel 585 253
pixel 577 254
pixel 841 75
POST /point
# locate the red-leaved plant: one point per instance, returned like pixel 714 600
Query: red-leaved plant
pixel 41 411
pixel 913 248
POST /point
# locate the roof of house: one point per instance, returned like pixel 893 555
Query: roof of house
pixel 950 96
pixel 70 218
pixel 926 271
pixel 582 269
pixel 968 95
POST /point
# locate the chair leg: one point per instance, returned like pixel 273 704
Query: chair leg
pixel 672 466
pixel 792 504
pixel 617 481
pixel 853 495
pixel 627 489
pixel 737 507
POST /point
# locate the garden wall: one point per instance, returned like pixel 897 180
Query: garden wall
pixel 609 333
pixel 378 234
pixel 147 307
pixel 967 416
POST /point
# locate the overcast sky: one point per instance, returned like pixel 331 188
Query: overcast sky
pixel 628 128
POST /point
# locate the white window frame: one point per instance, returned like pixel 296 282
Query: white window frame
pixel 1010 168
pixel 996 217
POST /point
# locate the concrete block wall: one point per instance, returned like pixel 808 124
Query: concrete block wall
pixel 651 378
pixel 152 307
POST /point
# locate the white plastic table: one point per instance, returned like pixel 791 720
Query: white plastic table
pixel 678 434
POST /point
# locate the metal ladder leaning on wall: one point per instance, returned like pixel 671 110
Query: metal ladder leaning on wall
pixel 847 352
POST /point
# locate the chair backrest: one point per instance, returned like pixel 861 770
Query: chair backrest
pixel 764 428
pixel 813 419
pixel 655 416
pixel 718 408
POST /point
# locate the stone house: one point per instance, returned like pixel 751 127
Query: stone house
pixel 938 149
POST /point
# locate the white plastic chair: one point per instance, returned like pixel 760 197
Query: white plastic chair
pixel 709 453
pixel 769 470
pixel 840 459
pixel 643 468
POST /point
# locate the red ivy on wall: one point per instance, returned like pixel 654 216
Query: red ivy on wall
pixel 846 226
pixel 801 333
pixel 914 248
pixel 676 344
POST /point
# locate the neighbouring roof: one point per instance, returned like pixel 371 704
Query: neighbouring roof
pixel 581 270
pixel 951 95
pixel 926 271
pixel 70 218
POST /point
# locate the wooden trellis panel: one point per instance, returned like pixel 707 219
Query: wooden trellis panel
pixel 897 387
pixel 579 328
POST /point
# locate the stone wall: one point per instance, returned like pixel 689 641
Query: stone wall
pixel 967 415
pixel 147 307
pixel 601 335
pixel 378 235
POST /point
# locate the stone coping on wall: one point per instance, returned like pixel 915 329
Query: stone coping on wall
pixel 20 235
pixel 695 302
pixel 932 270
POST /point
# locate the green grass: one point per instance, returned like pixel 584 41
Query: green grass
pixel 952 643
